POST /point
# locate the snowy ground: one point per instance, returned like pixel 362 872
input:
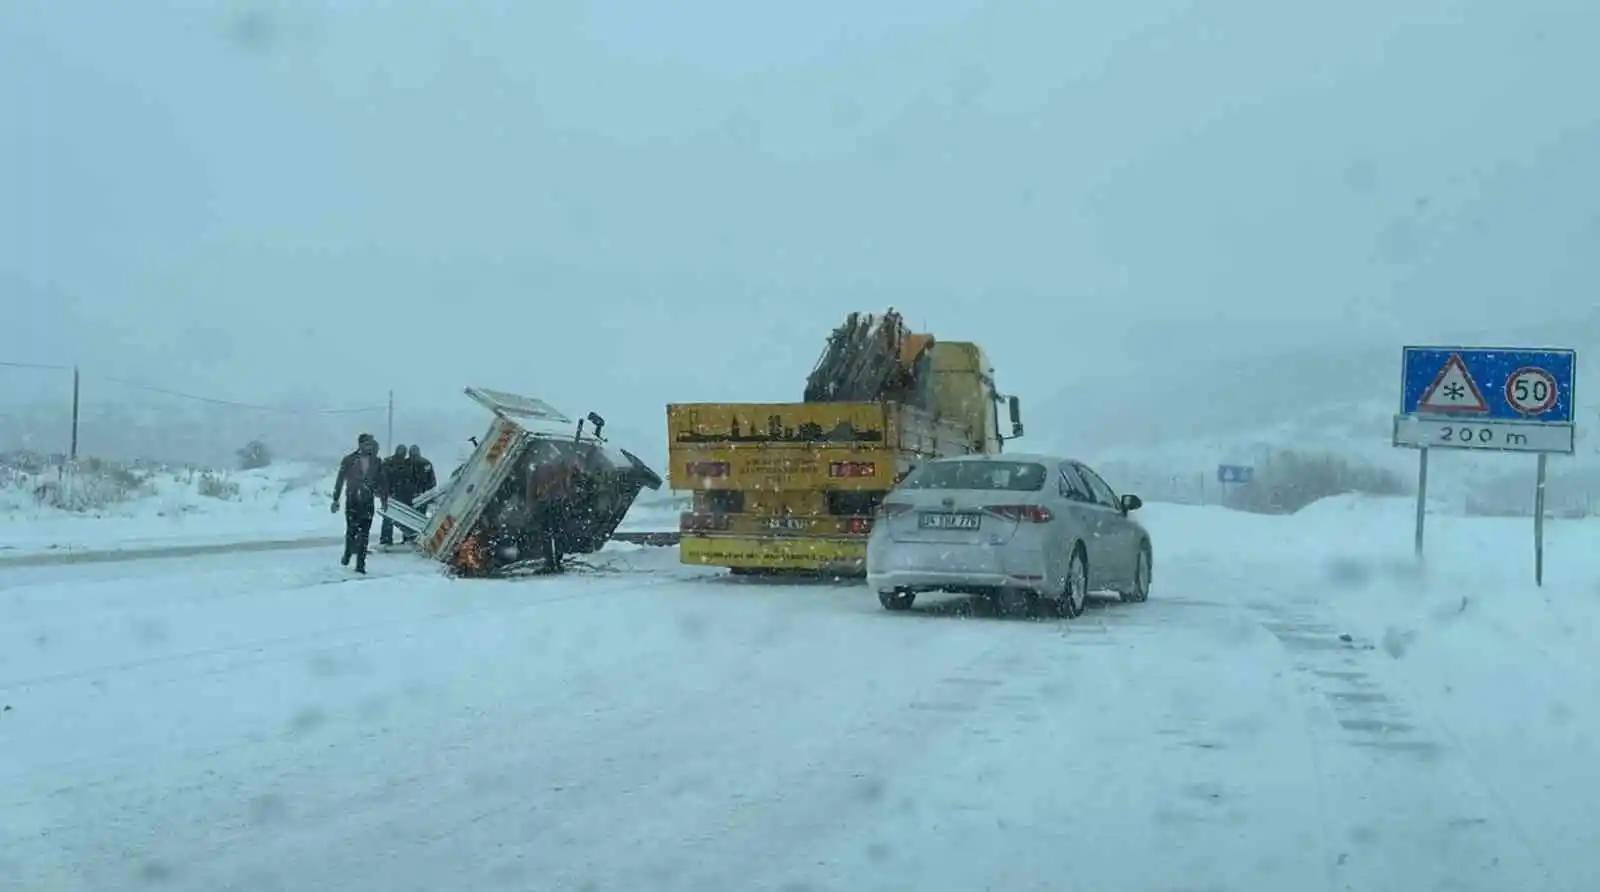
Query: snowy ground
pixel 1293 709
pixel 172 509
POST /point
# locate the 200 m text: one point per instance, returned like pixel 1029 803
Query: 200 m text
pixel 1469 434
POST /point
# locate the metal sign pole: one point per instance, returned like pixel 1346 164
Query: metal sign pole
pixel 1422 494
pixel 1538 523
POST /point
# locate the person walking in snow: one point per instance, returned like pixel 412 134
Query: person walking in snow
pixel 362 481
pixel 422 480
pixel 396 469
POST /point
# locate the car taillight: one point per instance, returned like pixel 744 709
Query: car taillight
pixel 691 522
pixel 706 469
pixel 852 469
pixel 892 509
pixel 860 526
pixel 1022 513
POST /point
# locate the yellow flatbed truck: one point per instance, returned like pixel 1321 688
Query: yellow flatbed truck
pixel 795 486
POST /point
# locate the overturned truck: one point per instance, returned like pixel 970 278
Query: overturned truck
pixel 537 488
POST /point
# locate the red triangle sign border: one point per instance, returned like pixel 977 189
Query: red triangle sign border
pixel 1477 406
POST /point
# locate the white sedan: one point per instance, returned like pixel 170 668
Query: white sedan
pixel 1009 526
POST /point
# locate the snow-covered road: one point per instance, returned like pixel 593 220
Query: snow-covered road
pixel 251 721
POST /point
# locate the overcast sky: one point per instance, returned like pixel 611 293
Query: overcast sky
pixel 617 204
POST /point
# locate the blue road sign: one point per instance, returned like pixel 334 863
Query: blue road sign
pixel 1235 473
pixel 1488 383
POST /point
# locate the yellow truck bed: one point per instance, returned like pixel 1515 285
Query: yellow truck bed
pixel 788 446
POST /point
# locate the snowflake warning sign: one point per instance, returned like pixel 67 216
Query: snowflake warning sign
pixel 1453 391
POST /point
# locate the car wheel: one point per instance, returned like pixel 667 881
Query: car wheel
pixel 1075 586
pixel 896 600
pixel 1139 589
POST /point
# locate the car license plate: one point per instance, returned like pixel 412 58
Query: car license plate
pixel 929 521
pixel 786 523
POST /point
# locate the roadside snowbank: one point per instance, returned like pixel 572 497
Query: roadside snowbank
pixel 170 507
pixel 154 508
pixel 1471 645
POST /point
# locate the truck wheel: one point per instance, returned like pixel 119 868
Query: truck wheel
pixel 896 600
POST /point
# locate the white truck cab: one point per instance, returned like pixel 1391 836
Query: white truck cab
pixel 480 519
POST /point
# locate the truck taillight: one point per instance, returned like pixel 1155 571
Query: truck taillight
pixel 446 525
pixel 706 469
pixel 852 469
pixel 691 522
pixel 893 509
pixel 860 526
pixel 497 449
pixel 1022 513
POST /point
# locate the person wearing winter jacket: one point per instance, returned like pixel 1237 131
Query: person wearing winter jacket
pixel 363 482
pixel 396 468
pixel 422 480
pixel 422 469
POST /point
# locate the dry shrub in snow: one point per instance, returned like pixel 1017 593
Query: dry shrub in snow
pixel 89 485
pixel 254 455
pixel 216 486
pixel 1291 480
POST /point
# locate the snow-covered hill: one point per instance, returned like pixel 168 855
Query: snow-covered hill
pixel 1165 432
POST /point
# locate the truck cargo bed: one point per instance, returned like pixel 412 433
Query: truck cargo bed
pixel 857 445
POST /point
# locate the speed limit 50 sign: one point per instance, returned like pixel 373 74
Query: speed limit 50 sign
pixel 1532 391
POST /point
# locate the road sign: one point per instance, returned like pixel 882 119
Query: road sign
pixel 1489 399
pixel 1498 384
pixel 1235 473
pixel 1453 391
pixel 1532 391
pixel 1422 431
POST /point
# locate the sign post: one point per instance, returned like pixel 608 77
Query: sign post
pixel 1422 496
pixel 1538 524
pixel 1487 399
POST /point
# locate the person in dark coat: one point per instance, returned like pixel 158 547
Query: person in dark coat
pixel 423 469
pixel 396 468
pixel 362 481
pixel 422 480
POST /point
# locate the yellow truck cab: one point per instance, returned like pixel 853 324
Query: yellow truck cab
pixel 795 486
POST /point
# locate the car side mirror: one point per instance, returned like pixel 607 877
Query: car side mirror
pixel 1131 503
pixel 1014 405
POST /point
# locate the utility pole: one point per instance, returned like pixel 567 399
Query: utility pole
pixel 390 440
pixel 73 453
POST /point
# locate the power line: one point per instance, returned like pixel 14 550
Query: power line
pixel 216 401
pixel 35 365
pixel 194 397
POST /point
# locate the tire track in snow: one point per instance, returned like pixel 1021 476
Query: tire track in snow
pixel 509 605
pixel 1339 669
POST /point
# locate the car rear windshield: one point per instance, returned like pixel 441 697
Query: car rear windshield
pixel 1014 476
